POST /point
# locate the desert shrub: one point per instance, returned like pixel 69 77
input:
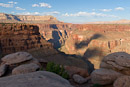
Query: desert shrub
pixel 97 85
pixel 56 68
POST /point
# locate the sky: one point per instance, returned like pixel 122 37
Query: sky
pixel 71 11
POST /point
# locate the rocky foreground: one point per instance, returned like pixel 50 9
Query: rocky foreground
pixel 35 79
pixel 21 69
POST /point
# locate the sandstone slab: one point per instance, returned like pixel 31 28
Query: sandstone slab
pixel 16 58
pixel 25 68
pixel 35 79
pixel 104 76
pixel 119 62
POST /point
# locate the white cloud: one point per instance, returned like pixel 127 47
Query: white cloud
pixel 6 5
pixel 106 10
pixel 35 5
pixel 12 12
pixel 37 13
pixel 45 5
pixel 28 13
pixel 119 8
pixel 11 2
pixel 93 9
pixel 42 5
pixel 19 8
pixel 51 13
pixel 88 14
pixel 66 14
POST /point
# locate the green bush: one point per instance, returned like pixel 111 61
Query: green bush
pixel 97 85
pixel 56 68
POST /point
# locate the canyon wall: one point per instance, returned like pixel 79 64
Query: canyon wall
pixel 20 37
pixel 55 33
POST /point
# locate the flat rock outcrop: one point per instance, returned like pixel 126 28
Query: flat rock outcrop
pixel 16 58
pixel 35 79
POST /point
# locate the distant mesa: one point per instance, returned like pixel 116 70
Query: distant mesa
pixel 122 21
pixel 9 18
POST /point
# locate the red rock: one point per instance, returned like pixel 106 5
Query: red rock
pixel 18 37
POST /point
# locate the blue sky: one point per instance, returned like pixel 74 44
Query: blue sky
pixel 72 11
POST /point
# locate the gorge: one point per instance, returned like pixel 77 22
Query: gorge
pixel 79 47
pixel 90 41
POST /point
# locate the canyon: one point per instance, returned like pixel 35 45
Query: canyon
pixel 90 41
pixel 86 41
pixel 26 37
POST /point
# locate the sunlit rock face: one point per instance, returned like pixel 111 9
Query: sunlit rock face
pixel 20 37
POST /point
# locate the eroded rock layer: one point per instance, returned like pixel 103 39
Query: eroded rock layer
pixel 19 37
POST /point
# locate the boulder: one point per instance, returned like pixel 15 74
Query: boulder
pixel 119 61
pixel 25 68
pixel 123 81
pixel 79 79
pixel 16 58
pixel 104 76
pixel 35 79
pixel 33 60
pixel 3 69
